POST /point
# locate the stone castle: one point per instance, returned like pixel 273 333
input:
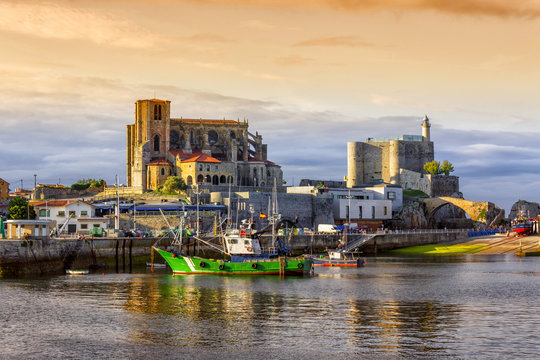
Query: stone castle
pixel 398 160
pixel 201 151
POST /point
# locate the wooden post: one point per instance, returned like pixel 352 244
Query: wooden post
pixel 130 256
pixel 152 259
pixel 116 257
pixel 124 255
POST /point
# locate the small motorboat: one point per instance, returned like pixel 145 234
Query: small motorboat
pixel 338 258
pixel 76 272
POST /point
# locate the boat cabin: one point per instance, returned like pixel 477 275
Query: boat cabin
pixel 239 242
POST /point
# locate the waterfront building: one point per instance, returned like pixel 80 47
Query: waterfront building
pixel 201 151
pixel 366 205
pixel 398 160
pixel 19 229
pixel 4 190
pixel 81 215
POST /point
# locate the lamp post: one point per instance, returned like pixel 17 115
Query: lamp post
pixel 197 192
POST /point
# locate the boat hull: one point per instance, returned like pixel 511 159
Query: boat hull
pixel 196 265
pixel 522 229
pixel 325 261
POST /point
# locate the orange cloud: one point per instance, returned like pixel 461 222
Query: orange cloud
pixel 335 41
pixel 292 60
pixel 498 8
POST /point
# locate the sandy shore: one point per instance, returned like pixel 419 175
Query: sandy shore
pixel 500 244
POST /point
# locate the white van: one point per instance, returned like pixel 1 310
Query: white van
pixel 327 229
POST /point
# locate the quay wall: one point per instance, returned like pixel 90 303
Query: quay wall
pixel 49 256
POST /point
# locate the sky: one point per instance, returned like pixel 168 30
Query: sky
pixel 309 75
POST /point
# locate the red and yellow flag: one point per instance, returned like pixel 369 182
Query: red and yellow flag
pixel 262 216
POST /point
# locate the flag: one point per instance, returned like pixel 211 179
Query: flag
pixel 262 216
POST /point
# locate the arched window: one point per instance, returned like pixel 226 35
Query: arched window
pixel 212 137
pixel 208 179
pixel 162 171
pixel 159 112
pixel 222 179
pixel 156 143
pixel 215 180
pixel 189 180
pixel 200 179
pixel 155 112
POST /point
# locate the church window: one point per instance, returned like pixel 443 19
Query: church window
pixel 155 112
pixel 162 171
pixel 212 137
pixel 156 143
pixel 175 138
pixel 159 112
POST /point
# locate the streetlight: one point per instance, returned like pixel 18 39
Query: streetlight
pixel 197 193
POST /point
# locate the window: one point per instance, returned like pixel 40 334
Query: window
pixel 391 195
pixel 84 212
pixel 72 213
pixel 155 112
pixel 200 167
pixel 84 226
pixel 234 241
pixel 247 242
pixel 156 143
pixel 61 213
pixel 347 211
pixel 373 212
pixel 42 213
pixel 360 212
pixel 162 171
pixel 96 225
pixel 385 210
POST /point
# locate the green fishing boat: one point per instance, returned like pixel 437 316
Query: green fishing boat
pixel 244 256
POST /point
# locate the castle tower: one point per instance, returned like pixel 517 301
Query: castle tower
pixel 355 164
pixel 425 129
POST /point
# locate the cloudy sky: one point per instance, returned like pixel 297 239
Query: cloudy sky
pixel 309 75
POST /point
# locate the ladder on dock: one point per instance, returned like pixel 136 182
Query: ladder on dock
pixel 357 243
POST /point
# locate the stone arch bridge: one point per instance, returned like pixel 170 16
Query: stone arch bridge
pixel 482 211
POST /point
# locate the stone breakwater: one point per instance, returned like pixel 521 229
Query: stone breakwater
pixel 49 256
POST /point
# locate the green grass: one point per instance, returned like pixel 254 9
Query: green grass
pixel 415 193
pixel 440 249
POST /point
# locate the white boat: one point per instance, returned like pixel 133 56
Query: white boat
pixel 76 272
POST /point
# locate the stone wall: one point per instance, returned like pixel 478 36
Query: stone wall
pixel 43 192
pixel 444 185
pixel 305 209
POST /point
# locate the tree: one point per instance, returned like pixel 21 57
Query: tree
pixel 174 184
pixel 433 167
pixel 446 167
pixel 18 209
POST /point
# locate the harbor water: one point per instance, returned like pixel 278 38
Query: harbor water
pixel 481 307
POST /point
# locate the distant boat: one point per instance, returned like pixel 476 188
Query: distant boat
pixel 521 226
pixel 76 272
pixel 338 258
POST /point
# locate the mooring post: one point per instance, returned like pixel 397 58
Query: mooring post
pixel 124 255
pixel 130 257
pixel 116 257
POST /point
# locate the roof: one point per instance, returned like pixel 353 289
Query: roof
pixel 160 161
pixel 56 203
pixel 209 121
pixel 196 156
pixel 155 100
pixel 204 158
pixel 2 180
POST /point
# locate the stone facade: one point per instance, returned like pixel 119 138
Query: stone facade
pixel 4 190
pixel 159 146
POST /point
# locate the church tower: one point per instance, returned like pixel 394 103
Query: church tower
pixel 148 139
pixel 425 129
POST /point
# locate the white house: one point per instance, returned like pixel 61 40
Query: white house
pixel 78 216
pixel 357 205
